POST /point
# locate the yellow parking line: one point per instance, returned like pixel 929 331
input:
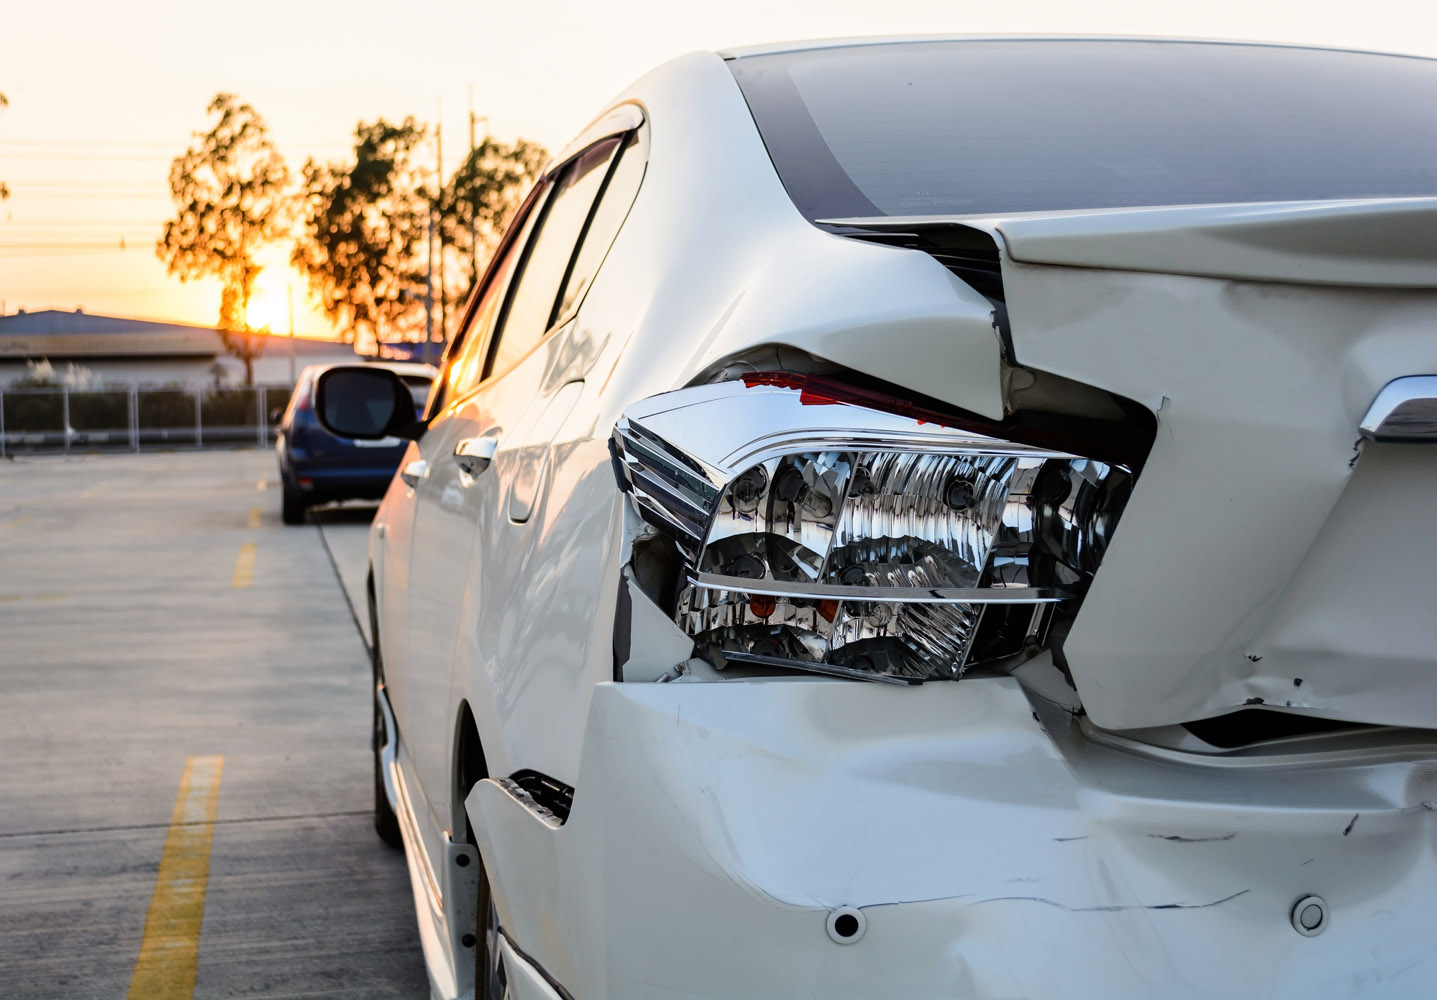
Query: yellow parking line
pixel 261 484
pixel 15 522
pixel 170 947
pixel 244 565
pixel 254 517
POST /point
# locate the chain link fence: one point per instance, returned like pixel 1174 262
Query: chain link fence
pixel 136 417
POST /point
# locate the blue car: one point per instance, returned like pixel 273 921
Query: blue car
pixel 317 467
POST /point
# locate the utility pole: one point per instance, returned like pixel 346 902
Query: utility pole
pixel 429 284
pixel 291 334
pixel 439 194
pixel 473 216
pixel 474 209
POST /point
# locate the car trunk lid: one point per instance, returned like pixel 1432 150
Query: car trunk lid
pixel 1270 555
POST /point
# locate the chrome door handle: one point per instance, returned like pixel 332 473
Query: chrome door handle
pixel 413 472
pixel 474 454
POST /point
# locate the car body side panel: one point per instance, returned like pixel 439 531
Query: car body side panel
pixel 1259 389
pixel 390 541
pixel 994 850
pixel 449 505
pixel 533 637
pixel 688 281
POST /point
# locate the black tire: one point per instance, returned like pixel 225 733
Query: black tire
pixel 386 824
pixel 292 506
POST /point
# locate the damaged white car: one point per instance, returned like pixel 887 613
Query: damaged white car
pixel 935 518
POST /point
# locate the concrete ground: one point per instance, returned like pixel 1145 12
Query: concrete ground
pixel 154 612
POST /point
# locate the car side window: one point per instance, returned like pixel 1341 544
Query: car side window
pixel 531 308
pixel 464 370
pixel 614 203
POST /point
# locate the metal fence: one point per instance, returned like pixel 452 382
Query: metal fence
pixel 136 417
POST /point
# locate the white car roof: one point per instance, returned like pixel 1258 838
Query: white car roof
pixel 775 48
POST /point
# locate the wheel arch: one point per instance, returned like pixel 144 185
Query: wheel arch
pixel 470 766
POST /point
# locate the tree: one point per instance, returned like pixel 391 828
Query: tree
pixel 481 197
pixel 231 201
pixel 364 227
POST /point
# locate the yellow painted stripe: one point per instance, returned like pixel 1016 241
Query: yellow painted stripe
pixel 244 565
pixel 254 517
pixel 261 484
pixel 15 522
pixel 170 948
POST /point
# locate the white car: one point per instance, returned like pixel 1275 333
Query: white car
pixel 1100 374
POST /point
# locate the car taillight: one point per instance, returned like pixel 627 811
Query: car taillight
pixel 843 532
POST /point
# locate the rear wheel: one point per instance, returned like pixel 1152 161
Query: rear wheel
pixel 386 823
pixel 292 506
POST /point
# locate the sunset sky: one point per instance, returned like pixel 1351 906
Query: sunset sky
pixel 103 95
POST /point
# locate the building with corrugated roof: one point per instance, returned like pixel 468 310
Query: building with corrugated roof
pixel 117 350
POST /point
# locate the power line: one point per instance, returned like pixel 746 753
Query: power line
pixel 143 157
pixel 129 143
pixel 11 226
pixel 30 196
pixel 5 254
pixel 6 227
pixel 78 182
pixel 86 142
pixel 66 245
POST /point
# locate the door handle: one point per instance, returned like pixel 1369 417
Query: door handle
pixel 413 472
pixel 474 454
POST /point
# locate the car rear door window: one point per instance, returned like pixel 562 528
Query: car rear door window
pixel 532 305
pixel 614 204
pixel 465 369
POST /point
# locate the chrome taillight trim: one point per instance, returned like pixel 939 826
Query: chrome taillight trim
pixel 745 425
pixel 888 595
pixel 814 667
pixel 669 488
pixel 1404 412
pixel 855 438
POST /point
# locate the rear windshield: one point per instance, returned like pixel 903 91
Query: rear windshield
pixel 984 127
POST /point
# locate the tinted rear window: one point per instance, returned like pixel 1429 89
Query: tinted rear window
pixel 982 127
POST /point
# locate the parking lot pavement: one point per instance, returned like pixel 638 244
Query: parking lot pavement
pixel 184 720
pixel 345 532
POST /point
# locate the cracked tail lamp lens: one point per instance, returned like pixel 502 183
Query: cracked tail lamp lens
pixel 854 541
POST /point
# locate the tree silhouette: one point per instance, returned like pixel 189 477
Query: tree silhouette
pixel 482 195
pixel 231 200
pixel 364 225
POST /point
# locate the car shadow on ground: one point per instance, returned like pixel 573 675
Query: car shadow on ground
pixel 346 513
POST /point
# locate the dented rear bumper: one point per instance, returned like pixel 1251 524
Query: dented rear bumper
pixel 993 851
